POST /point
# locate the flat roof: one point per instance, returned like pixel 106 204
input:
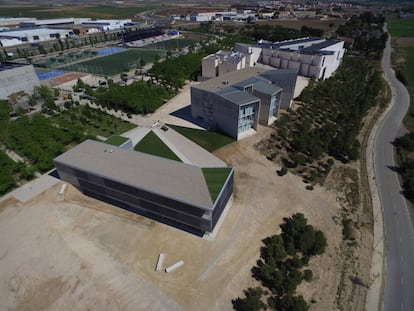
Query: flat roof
pixel 240 98
pixel 7 66
pixel 176 180
pixel 229 79
pixel 32 31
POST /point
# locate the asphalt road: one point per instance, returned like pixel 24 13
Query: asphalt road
pixel 399 232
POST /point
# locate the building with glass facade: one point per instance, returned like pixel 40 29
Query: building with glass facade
pixel 236 102
pixel 162 189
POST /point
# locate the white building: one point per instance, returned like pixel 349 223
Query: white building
pixel 35 35
pixel 222 62
pixel 52 22
pixel 13 21
pixel 108 24
pixel 310 56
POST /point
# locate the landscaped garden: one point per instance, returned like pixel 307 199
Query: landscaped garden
pixel 208 140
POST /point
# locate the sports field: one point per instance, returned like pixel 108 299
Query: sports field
pixel 115 63
pixel 172 44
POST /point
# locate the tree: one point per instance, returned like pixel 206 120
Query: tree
pixel 252 301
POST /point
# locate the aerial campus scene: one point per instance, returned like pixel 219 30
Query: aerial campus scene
pixel 206 155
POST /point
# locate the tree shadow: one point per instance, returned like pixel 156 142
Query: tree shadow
pixel 394 168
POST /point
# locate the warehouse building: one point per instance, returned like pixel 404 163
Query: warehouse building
pixel 236 102
pixel 16 78
pixel 32 35
pixel 162 189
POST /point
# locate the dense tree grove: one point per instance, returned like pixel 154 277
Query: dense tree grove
pixel 138 97
pixel 280 267
pixel 37 139
pixel 275 33
pixel 366 29
pixel 329 117
pixel 405 148
pixel 175 71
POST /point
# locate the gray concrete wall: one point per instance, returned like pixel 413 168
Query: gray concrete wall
pixel 226 115
pixel 264 107
pixel 17 79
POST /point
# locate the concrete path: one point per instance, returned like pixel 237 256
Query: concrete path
pixel 191 152
pixel 136 134
pixel 32 188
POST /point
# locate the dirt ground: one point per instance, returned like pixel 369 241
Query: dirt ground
pixel 78 253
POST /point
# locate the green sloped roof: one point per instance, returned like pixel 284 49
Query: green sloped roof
pixel 152 144
pixel 116 140
pixel 215 179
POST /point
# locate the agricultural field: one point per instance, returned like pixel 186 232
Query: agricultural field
pixel 173 44
pixel 401 27
pixel 151 144
pixel 210 141
pixel 116 63
pixel 402 33
pixel 327 25
pixel 45 12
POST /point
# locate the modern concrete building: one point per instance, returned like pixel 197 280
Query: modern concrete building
pixel 237 101
pixel 16 78
pixel 310 56
pixel 222 62
pixel 159 188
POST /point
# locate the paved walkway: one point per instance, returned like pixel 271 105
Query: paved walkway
pixel 32 188
pixel 188 151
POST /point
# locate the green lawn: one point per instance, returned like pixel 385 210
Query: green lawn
pixel 91 121
pixel 151 144
pixel 215 178
pixel 401 27
pixel 116 140
pixel 408 72
pixel 115 63
pixel 172 44
pixel 208 140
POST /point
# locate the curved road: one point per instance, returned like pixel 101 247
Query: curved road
pixel 399 232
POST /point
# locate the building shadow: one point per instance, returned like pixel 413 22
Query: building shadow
pixel 185 114
pixel 145 213
pixel 54 173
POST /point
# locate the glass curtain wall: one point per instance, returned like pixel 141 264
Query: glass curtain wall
pixel 246 117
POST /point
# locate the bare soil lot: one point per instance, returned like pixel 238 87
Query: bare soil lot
pixel 74 252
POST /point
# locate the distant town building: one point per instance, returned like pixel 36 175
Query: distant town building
pixel 16 78
pixel 236 102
